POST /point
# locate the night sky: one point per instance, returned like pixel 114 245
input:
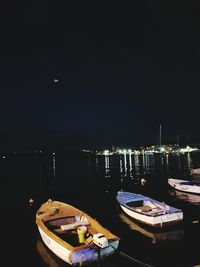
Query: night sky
pixel 75 75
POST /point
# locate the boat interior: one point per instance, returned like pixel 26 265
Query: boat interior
pixel 67 229
pixel 149 207
pixel 197 183
pixel 71 224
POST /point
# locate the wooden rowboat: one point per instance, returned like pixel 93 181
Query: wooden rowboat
pixel 73 235
pixel 148 210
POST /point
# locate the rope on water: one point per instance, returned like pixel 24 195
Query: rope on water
pixel 134 260
pixel 140 263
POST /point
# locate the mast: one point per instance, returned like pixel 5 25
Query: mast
pixel 178 140
pixel 160 135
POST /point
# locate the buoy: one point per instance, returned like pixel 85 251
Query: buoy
pixel 31 201
pixel 143 181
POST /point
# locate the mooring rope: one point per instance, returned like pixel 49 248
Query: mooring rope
pixel 140 263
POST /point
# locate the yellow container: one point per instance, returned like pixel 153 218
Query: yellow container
pixel 81 233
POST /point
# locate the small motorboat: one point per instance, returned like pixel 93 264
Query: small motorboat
pixel 73 235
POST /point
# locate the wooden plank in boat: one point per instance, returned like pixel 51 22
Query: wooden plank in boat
pixel 73 225
pixel 144 208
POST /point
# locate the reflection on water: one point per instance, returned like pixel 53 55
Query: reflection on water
pixel 83 178
pixel 54 165
pixel 123 166
pixel 191 198
pixel 148 162
pixel 107 167
pixel 130 166
pixel 137 166
pixel 189 161
pixel 164 236
pixel 46 255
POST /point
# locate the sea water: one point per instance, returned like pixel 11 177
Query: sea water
pixel 90 182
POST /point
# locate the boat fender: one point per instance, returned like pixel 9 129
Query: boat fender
pixel 100 240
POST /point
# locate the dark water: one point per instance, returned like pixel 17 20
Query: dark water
pixel 90 183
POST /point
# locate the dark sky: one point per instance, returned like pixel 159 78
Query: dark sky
pixel 93 76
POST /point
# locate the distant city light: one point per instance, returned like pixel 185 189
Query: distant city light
pixel 106 152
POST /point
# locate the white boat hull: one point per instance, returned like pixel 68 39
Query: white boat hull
pixel 61 228
pixel 78 257
pixel 158 221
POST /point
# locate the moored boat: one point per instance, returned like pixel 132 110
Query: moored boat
pixel 148 210
pixel 73 235
pixel 185 185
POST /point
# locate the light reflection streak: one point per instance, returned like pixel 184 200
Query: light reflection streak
pixel 137 164
pixel 125 166
pixel 121 166
pixel 107 167
pixel 149 163
pixel 97 164
pixel 130 165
